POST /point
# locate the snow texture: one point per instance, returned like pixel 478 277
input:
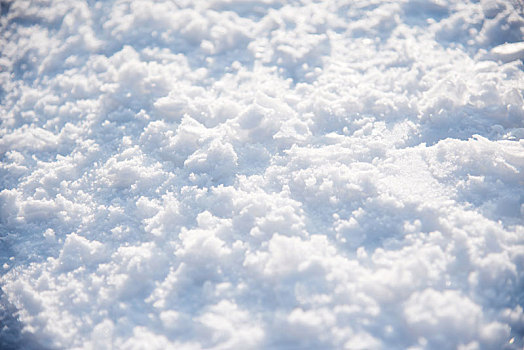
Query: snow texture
pixel 262 174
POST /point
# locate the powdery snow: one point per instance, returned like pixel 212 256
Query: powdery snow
pixel 262 174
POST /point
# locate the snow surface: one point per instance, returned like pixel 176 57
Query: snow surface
pixel 262 174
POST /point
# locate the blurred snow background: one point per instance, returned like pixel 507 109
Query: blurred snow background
pixel 262 174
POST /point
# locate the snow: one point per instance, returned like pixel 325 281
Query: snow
pixel 261 174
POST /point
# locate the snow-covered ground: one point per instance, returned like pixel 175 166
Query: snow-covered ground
pixel 262 174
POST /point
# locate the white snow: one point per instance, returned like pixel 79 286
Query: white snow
pixel 262 174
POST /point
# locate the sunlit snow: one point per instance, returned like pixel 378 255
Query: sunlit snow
pixel 262 174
